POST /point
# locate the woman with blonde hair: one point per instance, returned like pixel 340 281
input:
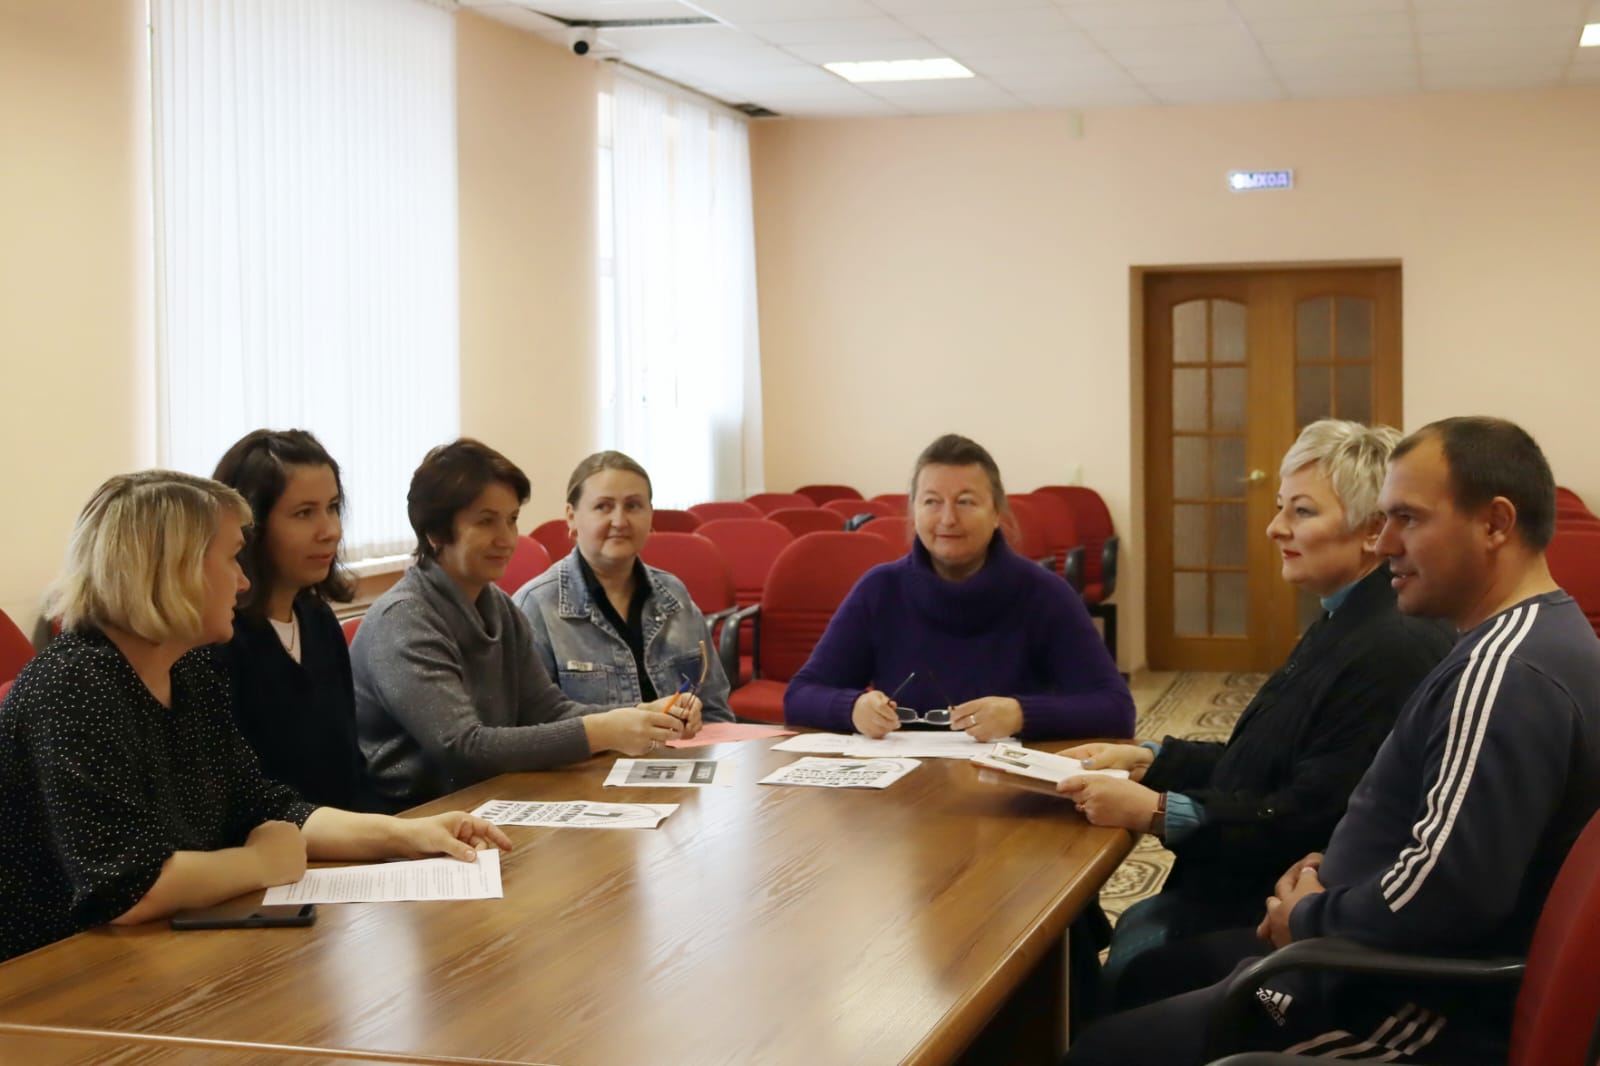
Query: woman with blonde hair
pixel 128 790
pixel 1238 814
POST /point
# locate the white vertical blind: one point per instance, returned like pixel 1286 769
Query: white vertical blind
pixel 305 237
pixel 681 358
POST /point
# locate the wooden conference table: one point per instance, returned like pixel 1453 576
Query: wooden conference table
pixel 758 924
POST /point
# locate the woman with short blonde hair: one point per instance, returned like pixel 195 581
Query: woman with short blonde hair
pixel 135 560
pixel 128 790
pixel 1353 459
pixel 1237 814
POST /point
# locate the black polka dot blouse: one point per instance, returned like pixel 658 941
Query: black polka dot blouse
pixel 100 784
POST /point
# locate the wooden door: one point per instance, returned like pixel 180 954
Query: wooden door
pixel 1236 363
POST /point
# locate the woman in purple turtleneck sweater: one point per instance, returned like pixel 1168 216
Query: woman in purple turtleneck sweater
pixel 1002 642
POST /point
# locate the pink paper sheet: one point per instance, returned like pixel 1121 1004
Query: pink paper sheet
pixel 726 732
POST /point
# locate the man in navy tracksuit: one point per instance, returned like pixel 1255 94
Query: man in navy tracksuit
pixel 1453 837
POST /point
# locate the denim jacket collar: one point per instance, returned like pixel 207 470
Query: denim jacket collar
pixel 573 601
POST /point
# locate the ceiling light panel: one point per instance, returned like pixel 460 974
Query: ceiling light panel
pixel 893 70
pixel 866 51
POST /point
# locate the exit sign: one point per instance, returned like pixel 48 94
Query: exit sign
pixel 1251 180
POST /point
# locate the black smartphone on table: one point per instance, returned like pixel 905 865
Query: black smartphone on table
pixel 236 917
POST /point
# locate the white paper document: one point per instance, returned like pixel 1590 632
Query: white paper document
pixel 669 773
pixel 842 773
pixel 917 744
pixel 392 882
pixel 1040 765
pixel 902 744
pixel 576 814
pixel 813 744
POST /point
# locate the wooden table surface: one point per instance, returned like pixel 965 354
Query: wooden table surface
pixel 758 924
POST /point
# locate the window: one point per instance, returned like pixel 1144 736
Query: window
pixel 680 382
pixel 305 237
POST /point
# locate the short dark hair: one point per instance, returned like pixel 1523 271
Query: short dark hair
pixel 953 449
pixel 599 461
pixel 1491 457
pixel 257 467
pixel 451 477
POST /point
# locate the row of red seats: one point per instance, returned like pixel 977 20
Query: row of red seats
pixel 1044 525
pixel 728 566
pixel 1067 527
pixel 727 552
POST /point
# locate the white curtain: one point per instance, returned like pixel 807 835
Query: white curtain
pixel 305 237
pixel 681 384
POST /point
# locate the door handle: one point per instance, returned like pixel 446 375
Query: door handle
pixel 1255 477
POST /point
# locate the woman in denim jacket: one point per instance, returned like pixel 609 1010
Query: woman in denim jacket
pixel 608 628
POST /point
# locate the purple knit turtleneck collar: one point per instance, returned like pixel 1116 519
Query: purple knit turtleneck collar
pixel 969 605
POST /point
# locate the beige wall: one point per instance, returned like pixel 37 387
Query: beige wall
pixel 527 142
pixel 77 401
pixel 73 274
pixel 915 274
pixel 972 273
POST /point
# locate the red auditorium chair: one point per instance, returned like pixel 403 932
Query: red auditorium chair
pixel 803 520
pixel 767 502
pixel 879 509
pixel 821 494
pixel 710 512
pixel 705 572
pixel 751 546
pixel 1572 513
pixel 807 584
pixel 850 508
pixel 554 538
pixel 1554 1020
pixel 1570 505
pixel 668 520
pixel 1100 544
pixel 527 562
pixel 1574 558
pixel 1060 534
pixel 892 530
pixel 898 500
pixel 1025 533
pixel 350 625
pixel 15 648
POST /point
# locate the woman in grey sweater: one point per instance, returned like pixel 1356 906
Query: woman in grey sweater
pixel 448 688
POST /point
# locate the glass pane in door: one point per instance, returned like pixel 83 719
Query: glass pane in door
pixel 1334 359
pixel 1209 383
pixel 1353 326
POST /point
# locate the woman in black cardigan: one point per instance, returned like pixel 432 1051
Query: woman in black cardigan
pixel 293 698
pixel 1236 815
